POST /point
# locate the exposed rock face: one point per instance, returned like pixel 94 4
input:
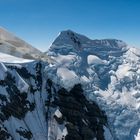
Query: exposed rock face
pixel 84 120
pixel 32 107
pixel 4 135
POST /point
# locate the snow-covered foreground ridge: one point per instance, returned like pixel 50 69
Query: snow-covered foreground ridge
pixel 89 90
pixel 33 107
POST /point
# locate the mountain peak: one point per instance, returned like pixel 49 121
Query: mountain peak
pixel 69 40
pixel 69 37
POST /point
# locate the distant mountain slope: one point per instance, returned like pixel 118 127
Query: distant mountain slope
pixel 15 46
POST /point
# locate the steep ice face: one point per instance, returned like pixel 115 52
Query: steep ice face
pixel 3 71
pixel 33 107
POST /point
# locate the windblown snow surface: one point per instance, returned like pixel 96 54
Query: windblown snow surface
pixel 89 91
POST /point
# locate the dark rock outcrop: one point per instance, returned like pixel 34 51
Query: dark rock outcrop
pixel 83 120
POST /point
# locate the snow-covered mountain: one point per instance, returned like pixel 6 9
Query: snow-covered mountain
pixel 109 72
pixel 10 44
pixel 33 107
pixel 88 91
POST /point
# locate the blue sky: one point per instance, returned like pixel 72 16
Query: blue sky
pixel 39 21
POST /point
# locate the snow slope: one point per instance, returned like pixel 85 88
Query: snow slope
pixel 12 59
pixel 15 46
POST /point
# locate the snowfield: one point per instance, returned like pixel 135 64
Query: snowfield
pixel 12 59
